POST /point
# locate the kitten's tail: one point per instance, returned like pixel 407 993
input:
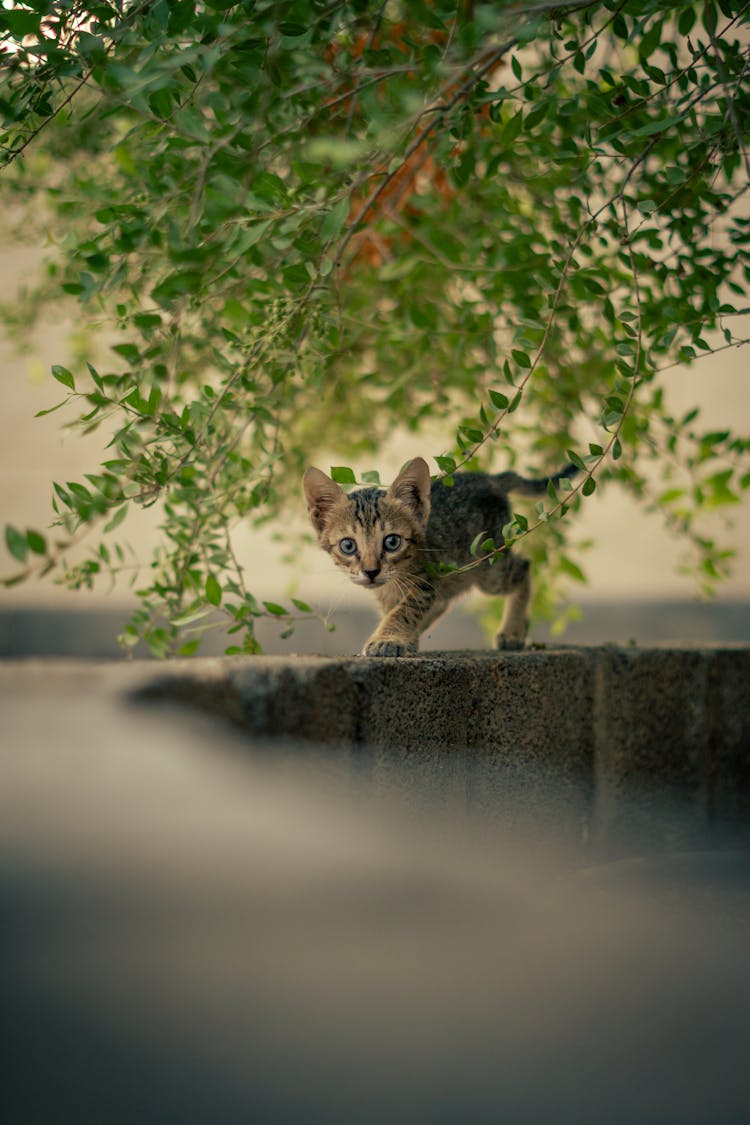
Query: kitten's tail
pixel 512 482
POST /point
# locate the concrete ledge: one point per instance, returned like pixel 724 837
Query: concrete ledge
pixel 594 743
pixel 603 733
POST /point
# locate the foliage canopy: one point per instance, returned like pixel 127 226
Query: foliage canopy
pixel 311 221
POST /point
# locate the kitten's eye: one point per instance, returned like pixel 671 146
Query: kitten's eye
pixel 392 542
pixel 348 547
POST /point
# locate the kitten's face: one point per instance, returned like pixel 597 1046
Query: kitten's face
pixel 370 533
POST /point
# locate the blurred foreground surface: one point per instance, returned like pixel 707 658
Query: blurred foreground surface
pixel 200 929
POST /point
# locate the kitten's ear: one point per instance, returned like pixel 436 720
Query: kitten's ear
pixel 412 488
pixel 321 493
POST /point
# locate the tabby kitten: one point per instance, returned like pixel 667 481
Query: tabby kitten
pixel 394 542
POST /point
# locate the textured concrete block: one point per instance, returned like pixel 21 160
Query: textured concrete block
pixel 729 738
pixel 648 744
pixel 652 731
pixel 308 698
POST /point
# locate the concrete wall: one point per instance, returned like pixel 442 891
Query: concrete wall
pixel 595 739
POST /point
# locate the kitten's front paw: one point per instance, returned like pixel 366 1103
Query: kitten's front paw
pixel 387 648
pixel 506 642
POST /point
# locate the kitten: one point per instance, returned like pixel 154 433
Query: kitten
pixel 394 542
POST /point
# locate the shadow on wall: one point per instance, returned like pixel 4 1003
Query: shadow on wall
pixel 92 634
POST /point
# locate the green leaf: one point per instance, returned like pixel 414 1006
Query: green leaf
pixel 20 23
pixel 16 542
pixel 710 17
pixel 292 30
pixel 521 358
pixel 474 548
pixel 63 376
pixel 620 27
pixel 338 151
pixel 303 607
pixel 714 437
pixel 498 399
pixel 275 609
pixel 589 486
pixel 335 219
pixel 570 568
pixel 721 493
pixel 192 615
pixel 37 543
pixel 660 125
pixel 650 40
pixel 686 20
pixel 50 409
pixel 116 519
pixel 213 590
pixel 446 464
pixel 576 459
pixel 160 103
pixel 250 235
pixel 512 130
pixel 342 474
pixel 181 283
pixel 670 495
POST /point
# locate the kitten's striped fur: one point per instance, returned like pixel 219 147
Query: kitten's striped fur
pixel 394 542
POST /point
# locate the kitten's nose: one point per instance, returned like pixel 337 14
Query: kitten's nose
pixel 372 574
